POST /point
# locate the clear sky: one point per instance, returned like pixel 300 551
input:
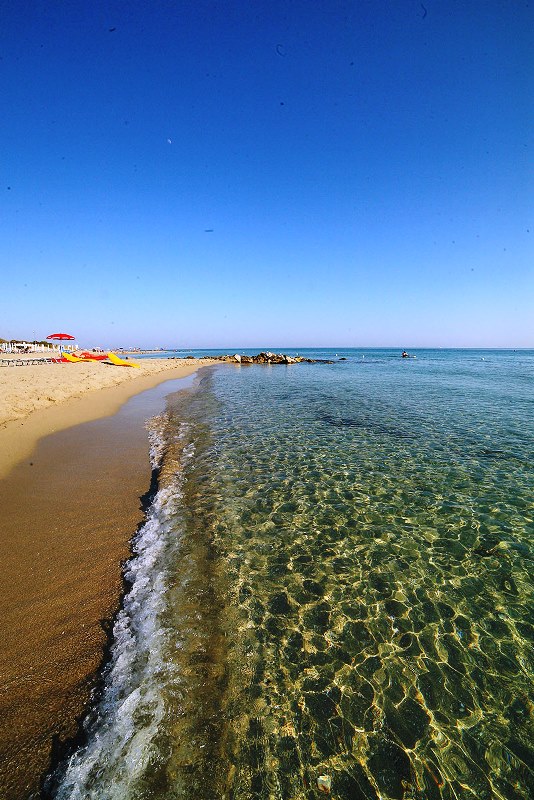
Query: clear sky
pixel 267 173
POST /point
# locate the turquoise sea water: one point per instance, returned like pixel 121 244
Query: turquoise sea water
pixel 335 582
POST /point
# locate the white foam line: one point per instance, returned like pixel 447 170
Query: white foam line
pixel 122 728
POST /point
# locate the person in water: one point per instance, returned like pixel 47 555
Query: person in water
pixel 404 354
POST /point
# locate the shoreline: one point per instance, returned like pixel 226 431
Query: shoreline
pixel 49 398
pixel 68 518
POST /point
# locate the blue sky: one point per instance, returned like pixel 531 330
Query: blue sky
pixel 225 174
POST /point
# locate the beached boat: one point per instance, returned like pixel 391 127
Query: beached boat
pixel 121 362
pixel 86 356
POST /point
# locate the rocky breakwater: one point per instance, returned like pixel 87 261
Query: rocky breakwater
pixel 270 358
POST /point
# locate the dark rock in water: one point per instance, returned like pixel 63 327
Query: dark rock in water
pixel 409 722
pixel 266 357
pixel 520 750
pixel 244 593
pixel 518 710
pixel 287 752
pixel 294 645
pixel 325 742
pixel 318 641
pixel 487 545
pixel 356 637
pixel 320 706
pixel 316 684
pixel 318 617
pixel 369 666
pixel 390 767
pixel 255 691
pixel 353 610
pixel 257 782
pixel 279 604
pixel 428 690
pixel 340 654
pixel 342 358
pixel 334 693
pixel 342 732
pixel 275 626
pixel 526 630
pixel 319 659
pixel 394 608
pixel 313 588
pixel 354 783
pixel 354 706
pixel 445 611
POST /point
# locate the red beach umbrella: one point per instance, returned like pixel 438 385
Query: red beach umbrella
pixel 62 337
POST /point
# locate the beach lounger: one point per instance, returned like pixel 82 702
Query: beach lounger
pixel 23 362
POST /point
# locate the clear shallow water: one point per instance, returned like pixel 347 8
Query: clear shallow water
pixel 336 579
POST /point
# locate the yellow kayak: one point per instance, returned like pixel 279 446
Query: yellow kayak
pixel 71 357
pixel 121 362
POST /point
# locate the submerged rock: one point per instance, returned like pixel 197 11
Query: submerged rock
pixel 320 706
pixel 390 767
pixel 279 604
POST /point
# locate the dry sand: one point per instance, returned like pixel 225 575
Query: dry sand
pixel 98 389
pixel 69 505
pixel 27 388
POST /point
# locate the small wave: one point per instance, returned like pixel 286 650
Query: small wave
pixel 156 428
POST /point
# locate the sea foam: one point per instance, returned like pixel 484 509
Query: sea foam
pixel 122 728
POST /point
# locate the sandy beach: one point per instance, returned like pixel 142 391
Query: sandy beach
pixel 70 505
pixel 93 390
pixel 28 388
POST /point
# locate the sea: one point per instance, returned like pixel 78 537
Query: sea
pixel 333 591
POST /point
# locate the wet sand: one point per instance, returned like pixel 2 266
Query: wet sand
pixel 68 511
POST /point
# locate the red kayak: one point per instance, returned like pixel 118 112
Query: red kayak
pixel 92 356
